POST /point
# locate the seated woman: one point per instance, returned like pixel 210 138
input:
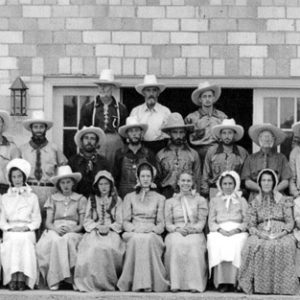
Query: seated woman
pixel 185 216
pixel 227 224
pixel 20 217
pixel 143 213
pixel 268 257
pixel 101 251
pixel 57 247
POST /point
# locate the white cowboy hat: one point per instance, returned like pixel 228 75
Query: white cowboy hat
pixel 173 121
pixel 20 164
pixel 149 81
pixel 296 128
pixel 131 122
pixel 228 124
pixel 5 117
pixel 38 116
pixel 65 172
pixel 255 130
pixel 91 129
pixel 107 77
pixel 203 87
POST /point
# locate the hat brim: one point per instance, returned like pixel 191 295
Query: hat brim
pixel 5 117
pixel 29 122
pixel 76 176
pixel 117 84
pixel 123 129
pixel 98 131
pixel 188 127
pixel 196 93
pixel 238 131
pixel 255 130
pixel 139 88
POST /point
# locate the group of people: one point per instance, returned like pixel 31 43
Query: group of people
pixel 147 196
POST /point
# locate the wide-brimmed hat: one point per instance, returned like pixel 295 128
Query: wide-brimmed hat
pixel 38 116
pixel 255 130
pixel 5 117
pixel 174 121
pixel 296 132
pixel 65 172
pixel 107 77
pixel 228 124
pixel 132 122
pixel 91 129
pixel 20 164
pixel 149 81
pixel 105 174
pixel 203 87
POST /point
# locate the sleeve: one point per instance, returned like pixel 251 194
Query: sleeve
pixel 288 214
pixel 85 116
pixel 49 205
pixel 212 216
pixel 61 159
pixel 293 181
pixel 14 152
pixel 82 205
pixel 202 212
pixel 4 225
pixel 197 171
pixel 36 214
pixel 252 218
pixel 246 172
pixel 159 177
pixel 118 215
pixel 134 112
pixel 160 219
pixel 116 168
pixel 206 174
pixel 89 224
pixel 169 218
pixel 127 214
pixel 286 172
pixel 244 204
pixel 123 113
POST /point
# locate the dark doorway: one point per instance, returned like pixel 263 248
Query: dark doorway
pixel 236 103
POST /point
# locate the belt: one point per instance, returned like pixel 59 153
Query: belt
pixel 37 183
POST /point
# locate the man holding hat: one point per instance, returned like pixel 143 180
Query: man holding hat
pixel 152 113
pixel 128 158
pixel 88 161
pixel 8 150
pixel 106 113
pixel 224 156
pixel 205 118
pixel 177 156
pixel 267 137
pixel 294 184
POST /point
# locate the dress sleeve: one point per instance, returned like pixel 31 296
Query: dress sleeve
pixel 202 212
pixel 89 224
pixel 288 214
pixel 212 216
pixel 36 214
pixel 127 214
pixel 49 205
pixel 206 174
pixel 82 205
pixel 244 204
pixel 253 218
pixel 293 180
pixel 160 220
pixel 169 217
pixel 4 225
pixel 118 216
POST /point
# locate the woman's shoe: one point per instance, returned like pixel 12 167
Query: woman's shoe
pixel 223 288
pixel 21 285
pixel 12 286
pixel 54 287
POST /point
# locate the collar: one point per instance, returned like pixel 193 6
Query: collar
pixel 128 150
pixel 19 190
pixel 155 107
pixel 262 154
pixel 35 146
pixel 235 150
pixel 214 113
pixel 171 147
pixel 60 197
pixel 100 103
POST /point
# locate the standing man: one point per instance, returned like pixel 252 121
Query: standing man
pixel 177 156
pixel 205 118
pixel 8 151
pixel 106 113
pixel 128 158
pixel 267 137
pixel 224 156
pixel 88 161
pixel 152 113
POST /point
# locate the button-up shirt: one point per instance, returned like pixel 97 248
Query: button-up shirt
pixel 154 118
pixel 203 121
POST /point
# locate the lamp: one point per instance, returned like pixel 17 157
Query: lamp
pixel 18 98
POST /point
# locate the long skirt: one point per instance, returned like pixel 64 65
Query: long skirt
pixel 185 261
pixel 143 267
pixel 57 256
pixel 18 255
pixel 99 262
pixel 225 273
pixel 268 266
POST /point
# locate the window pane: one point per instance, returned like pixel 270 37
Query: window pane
pixel 270 110
pixel 70 111
pixel 286 112
pixel 69 144
pixel 298 109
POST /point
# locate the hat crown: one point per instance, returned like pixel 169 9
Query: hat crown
pixel 150 79
pixel 174 119
pixel 64 171
pixel 107 75
pixel 204 85
pixel 21 164
pixel 130 121
pixel 38 115
pixel 228 122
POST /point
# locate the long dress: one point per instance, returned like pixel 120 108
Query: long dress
pixel 100 257
pixel 185 255
pixel 224 252
pixel 143 268
pixel 57 254
pixel 268 266
pixel 18 248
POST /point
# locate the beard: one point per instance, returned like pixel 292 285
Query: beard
pixel 178 142
pixel 39 139
pixel 135 141
pixel 228 142
pixel 88 148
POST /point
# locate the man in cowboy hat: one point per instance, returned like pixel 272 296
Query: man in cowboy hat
pixel 106 113
pixel 8 150
pixel 205 96
pixel 294 184
pixel 267 137
pixel 151 112
pixel 224 156
pixel 177 156
pixel 128 158
pixel 88 161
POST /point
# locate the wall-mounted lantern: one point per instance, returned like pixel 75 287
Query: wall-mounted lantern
pixel 18 98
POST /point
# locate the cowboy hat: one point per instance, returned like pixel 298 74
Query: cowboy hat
pixel 91 129
pixel 255 130
pixel 65 172
pixel 149 81
pixel 5 117
pixel 20 164
pixel 228 124
pixel 107 77
pixel 175 120
pixel 38 116
pixel 131 122
pixel 105 174
pixel 203 87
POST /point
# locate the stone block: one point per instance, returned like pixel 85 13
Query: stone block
pixel 96 37
pixel 109 50
pixel 269 38
pixel 179 67
pixel 114 2
pixel 138 51
pixel 11 37
pixel 3 50
pixel 67 37
pixel 282 51
pixel 121 11
pixel 51 65
pixel 280 25
pixel 253 51
pixel 208 38
pixel 154 66
pixel 254 25
pixel 65 11
pixel 116 65
pixel 12 11
pixel 213 12
pixel 25 66
pixel 38 37
pixel 166 67
pixel 215 2
pixel 193 67
pixel 177 2
pixel 107 23
pixel 245 67
pixel 230 51
pixel 218 67
pixel 165 24
pixel 64 65
pixel 51 24
pixel 180 12
pixel 63 2
pixel 23 24
pixel 3 24
pixel 184 38
pixel 97 11
pixel 36 103
pixel 38 66
pixel 292 38
pixel 141 66
pixel 194 25
pixel 76 65
pixel 241 38
pixel 126 37
pixel 283 67
pixel 79 23
pixel 127 2
pixel 270 67
pixel 241 2
pixel 223 25
pixel 51 50
pixel 295 67
pixel 240 12
pixel 166 51
pixel 293 12
pixel 37 11
pixel 136 24
pixel 128 66
pixel 79 50
pixel 89 65
pixel 228 2
pixel 206 67
pixel 257 67
pixel 165 2
pixel 35 89
pixel 155 38
pixel 102 63
pixel 272 12
pixel 153 12
pixel 195 51
pixel 22 50
pixel 231 67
